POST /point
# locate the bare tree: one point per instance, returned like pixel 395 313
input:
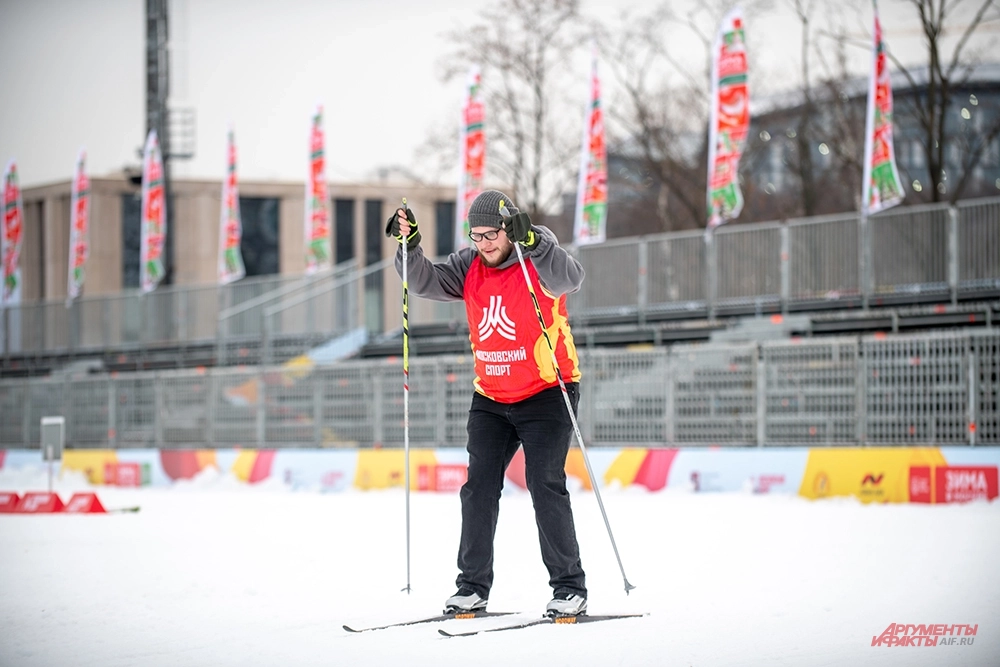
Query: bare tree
pixel 657 124
pixel 805 130
pixel 663 118
pixel 829 114
pixel 844 118
pixel 824 140
pixel 523 48
pixel 940 19
pixel 651 121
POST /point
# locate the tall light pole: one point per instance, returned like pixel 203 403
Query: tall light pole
pixel 157 113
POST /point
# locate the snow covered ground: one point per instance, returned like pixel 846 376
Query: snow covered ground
pixel 214 572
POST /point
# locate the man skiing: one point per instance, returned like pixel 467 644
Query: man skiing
pixel 517 400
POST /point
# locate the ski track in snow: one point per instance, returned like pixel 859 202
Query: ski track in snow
pixel 214 572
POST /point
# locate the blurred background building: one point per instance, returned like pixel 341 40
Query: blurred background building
pixel 272 243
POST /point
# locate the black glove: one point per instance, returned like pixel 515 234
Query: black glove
pixel 392 229
pixel 518 228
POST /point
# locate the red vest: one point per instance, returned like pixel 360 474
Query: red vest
pixel 513 360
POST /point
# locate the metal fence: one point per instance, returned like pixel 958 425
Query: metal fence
pixel 171 315
pixel 903 255
pixel 939 389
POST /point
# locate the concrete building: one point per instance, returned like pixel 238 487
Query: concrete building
pixel 272 216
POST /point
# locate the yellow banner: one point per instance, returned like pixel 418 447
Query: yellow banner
pixel 91 462
pixel 381 469
pixel 879 474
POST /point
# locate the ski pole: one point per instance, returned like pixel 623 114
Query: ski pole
pixel 569 406
pixel 406 405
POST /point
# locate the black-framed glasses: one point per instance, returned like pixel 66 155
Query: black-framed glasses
pixel 489 236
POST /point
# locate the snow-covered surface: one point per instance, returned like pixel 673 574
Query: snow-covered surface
pixel 215 572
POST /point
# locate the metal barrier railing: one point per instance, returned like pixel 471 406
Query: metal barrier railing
pixel 977 264
pixel 242 323
pixel 170 315
pixel 911 250
pixel 929 389
pixel 748 264
pixel 903 255
pixel 816 266
pixel 326 311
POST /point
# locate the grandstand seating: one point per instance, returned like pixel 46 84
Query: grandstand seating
pixel 910 269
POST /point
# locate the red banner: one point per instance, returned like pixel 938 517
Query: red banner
pixel 122 474
pixel 952 484
pixel 442 477
pixel 960 484
pixel 9 501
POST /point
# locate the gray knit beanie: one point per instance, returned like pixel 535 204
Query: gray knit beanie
pixel 485 209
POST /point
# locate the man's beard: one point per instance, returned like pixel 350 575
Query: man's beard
pixel 502 257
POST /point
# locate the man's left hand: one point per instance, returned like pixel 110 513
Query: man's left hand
pixel 518 228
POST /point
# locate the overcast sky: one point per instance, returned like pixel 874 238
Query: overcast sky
pixel 73 76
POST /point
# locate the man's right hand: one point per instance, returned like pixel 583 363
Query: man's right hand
pixel 403 225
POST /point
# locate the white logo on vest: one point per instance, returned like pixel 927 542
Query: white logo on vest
pixel 495 320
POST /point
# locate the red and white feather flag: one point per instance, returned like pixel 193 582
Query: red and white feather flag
pixel 319 254
pixel 590 223
pixel 153 216
pixel 881 187
pixel 79 229
pixel 729 120
pixel 230 266
pixel 472 152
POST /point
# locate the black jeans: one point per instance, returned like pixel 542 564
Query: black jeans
pixel 542 425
